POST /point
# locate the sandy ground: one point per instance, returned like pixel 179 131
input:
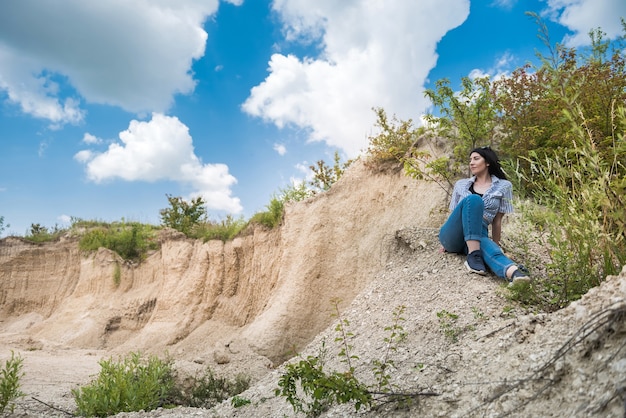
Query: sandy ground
pixel 498 346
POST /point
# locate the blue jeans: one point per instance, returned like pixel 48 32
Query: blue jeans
pixel 466 223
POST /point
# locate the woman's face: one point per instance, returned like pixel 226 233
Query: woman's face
pixel 478 164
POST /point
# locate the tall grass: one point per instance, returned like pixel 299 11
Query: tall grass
pixel 583 192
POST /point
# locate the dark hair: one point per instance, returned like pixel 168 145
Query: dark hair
pixel 490 156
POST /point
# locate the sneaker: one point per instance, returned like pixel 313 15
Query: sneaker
pixel 520 275
pixel 475 263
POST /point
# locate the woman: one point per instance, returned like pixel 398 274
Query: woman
pixel 477 202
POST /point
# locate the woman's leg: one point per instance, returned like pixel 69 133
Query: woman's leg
pixel 495 258
pixel 464 224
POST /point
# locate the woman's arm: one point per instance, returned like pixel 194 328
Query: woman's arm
pixel 496 228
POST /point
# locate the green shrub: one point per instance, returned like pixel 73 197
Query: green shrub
pixel 117 274
pixel 397 141
pixel 183 215
pixel 208 390
pixel 238 401
pixel 39 233
pixel 311 389
pixel 324 177
pixel 132 384
pixel 582 190
pixel 273 216
pixel 10 377
pixel 393 141
pixel 3 226
pixel 224 230
pixel 130 240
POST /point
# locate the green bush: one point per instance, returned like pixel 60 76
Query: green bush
pixel 394 140
pixel 273 216
pixel 324 177
pixel 40 233
pixel 224 230
pixel 130 240
pixel 132 384
pixel 3 226
pixel 311 389
pixel 207 390
pixel 183 215
pixel 10 377
pixel 238 401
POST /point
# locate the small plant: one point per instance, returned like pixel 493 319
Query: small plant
pixel 396 336
pixel 478 314
pixel 3 226
pixel 224 230
pixel 10 377
pixel 508 310
pixel 393 141
pixel 324 176
pixel 273 216
pixel 311 389
pixel 447 323
pixel 39 233
pixel 238 401
pixel 208 390
pixel 117 274
pixel 132 384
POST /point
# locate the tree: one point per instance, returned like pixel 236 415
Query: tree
pixel 183 215
pixel 468 117
pixel 2 225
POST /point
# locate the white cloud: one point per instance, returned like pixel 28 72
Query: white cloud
pixel 64 219
pixel 132 54
pixel 91 139
pixel 581 16
pixel 504 4
pixel 303 167
pixel 162 149
pixel 83 156
pixel 280 149
pixel 363 64
pixel 499 70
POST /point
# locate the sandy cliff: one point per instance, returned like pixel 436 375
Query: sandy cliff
pixel 266 293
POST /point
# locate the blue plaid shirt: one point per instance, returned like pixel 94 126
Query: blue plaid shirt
pixel 498 198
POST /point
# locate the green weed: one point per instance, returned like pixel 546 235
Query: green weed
pixel 117 274
pixel 238 401
pixel 311 389
pixel 132 384
pixel 10 377
pixel 207 390
pixel 449 326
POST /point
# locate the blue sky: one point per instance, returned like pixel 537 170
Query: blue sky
pixel 106 107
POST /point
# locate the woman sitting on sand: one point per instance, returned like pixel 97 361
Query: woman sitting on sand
pixel 477 202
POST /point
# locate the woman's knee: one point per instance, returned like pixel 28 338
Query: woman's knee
pixel 474 198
